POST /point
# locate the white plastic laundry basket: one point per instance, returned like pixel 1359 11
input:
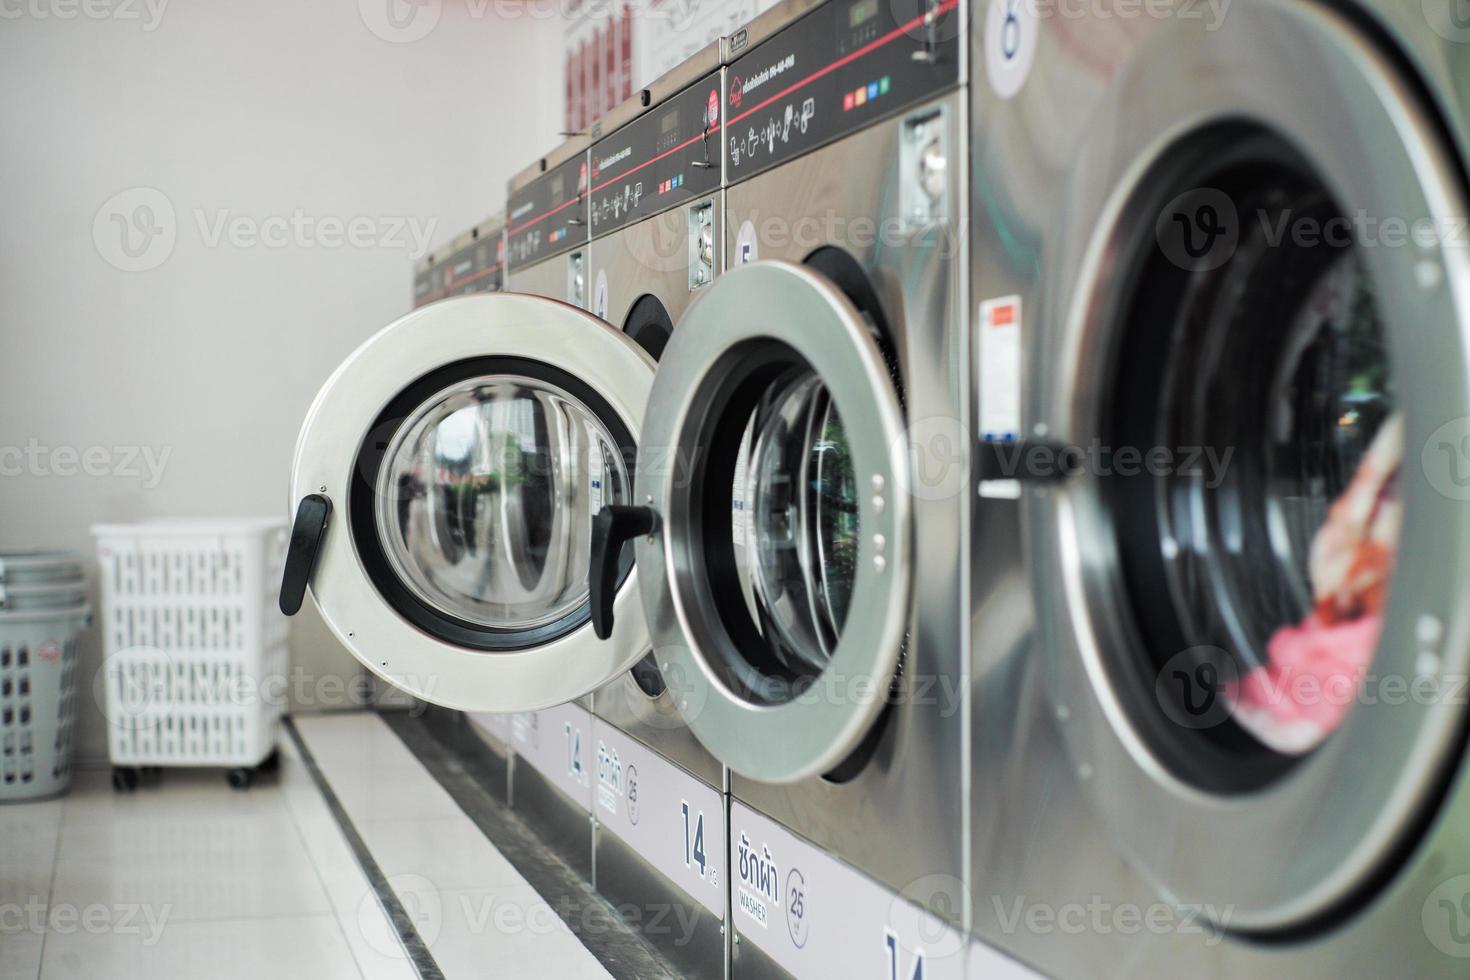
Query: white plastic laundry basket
pixel 38 666
pixel 195 645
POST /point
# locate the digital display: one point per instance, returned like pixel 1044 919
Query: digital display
pixel 862 12
pixel 670 121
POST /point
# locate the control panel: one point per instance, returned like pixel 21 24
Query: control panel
pixel 667 156
pixel 834 71
pixel 548 215
pixel 476 266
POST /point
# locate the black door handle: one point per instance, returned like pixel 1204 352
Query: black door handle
pixel 1028 460
pixel 306 540
pixel 613 527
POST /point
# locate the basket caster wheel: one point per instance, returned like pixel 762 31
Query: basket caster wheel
pixel 240 778
pixel 124 779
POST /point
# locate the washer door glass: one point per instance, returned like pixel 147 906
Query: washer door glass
pixel 1258 513
pixel 778 587
pixel 486 496
pixel 465 451
pixel 798 556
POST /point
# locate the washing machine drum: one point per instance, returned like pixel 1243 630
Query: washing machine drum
pixel 773 523
pixel 446 481
pixel 1251 585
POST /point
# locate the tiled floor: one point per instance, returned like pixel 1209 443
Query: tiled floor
pixel 190 879
pixel 475 912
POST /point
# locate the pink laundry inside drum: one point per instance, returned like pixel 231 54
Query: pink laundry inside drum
pixel 1315 673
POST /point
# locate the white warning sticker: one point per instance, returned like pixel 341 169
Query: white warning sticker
pixel 998 350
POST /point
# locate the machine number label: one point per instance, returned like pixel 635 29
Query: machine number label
pixel 673 820
pixel 839 922
pixel 693 839
pixel 1010 45
pixel 560 760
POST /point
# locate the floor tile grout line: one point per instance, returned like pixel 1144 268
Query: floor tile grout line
pixel 337 914
pixel 51 880
pixel 414 946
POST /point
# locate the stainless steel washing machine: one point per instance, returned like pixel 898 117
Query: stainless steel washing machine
pixel 654 210
pixel 1219 720
pixel 800 564
pixel 474 262
pixel 546 228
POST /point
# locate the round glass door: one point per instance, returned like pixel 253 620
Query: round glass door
pixel 1258 570
pixel 465 451
pixel 484 499
pixel 1249 587
pixel 778 583
pixel 798 538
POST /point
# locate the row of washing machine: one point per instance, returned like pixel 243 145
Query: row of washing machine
pixel 956 485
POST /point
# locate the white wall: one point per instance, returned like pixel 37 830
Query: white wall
pixel 269 109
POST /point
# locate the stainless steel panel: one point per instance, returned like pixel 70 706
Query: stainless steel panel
pixel 690 936
pixel 548 278
pixel 902 818
pixel 1040 843
pixel 651 258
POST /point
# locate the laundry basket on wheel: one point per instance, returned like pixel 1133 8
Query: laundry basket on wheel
pixel 43 610
pixel 195 648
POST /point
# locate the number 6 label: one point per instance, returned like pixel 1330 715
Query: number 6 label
pixel 1010 44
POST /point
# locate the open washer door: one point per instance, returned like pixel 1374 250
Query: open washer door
pixel 445 482
pixel 777 571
